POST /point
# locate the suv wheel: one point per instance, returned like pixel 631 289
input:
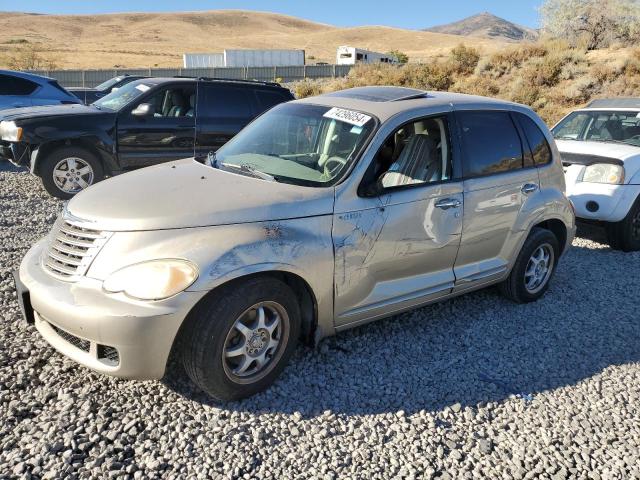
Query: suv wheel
pixel 69 170
pixel 534 267
pixel 625 234
pixel 238 340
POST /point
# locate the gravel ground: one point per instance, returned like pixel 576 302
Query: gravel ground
pixel 472 387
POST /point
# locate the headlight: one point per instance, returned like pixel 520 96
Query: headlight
pixel 152 280
pixel 9 132
pixel 603 173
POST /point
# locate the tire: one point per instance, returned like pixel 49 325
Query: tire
pixel 625 234
pixel 211 339
pixel 516 286
pixel 59 161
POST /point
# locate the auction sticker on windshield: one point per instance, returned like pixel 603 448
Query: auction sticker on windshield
pixel 142 87
pixel 349 116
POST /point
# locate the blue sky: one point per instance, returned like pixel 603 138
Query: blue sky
pixel 404 14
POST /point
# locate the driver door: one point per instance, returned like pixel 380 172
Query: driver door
pixel 395 248
pixel 166 133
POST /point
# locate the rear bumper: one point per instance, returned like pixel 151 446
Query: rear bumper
pixel 109 333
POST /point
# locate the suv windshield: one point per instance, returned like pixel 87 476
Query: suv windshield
pixel 298 143
pixel 109 83
pixel 121 97
pixel 600 126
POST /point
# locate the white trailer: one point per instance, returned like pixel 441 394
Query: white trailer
pixel 263 58
pixel 203 60
pixel 351 55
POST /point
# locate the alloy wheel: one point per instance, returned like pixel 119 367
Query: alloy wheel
pixel 72 175
pixel 539 268
pixel 254 342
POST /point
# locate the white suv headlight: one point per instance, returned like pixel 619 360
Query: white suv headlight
pixel 603 173
pixel 9 132
pixel 152 280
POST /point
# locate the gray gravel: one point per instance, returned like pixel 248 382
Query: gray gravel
pixel 473 387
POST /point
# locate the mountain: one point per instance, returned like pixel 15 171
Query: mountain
pixel 487 25
pixel 159 39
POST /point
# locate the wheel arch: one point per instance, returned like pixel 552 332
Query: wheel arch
pixel 303 291
pixel 558 228
pixel 86 143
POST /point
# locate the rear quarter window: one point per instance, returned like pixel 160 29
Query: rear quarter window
pixel 225 101
pixel 490 142
pixel 270 98
pixel 16 86
pixel 540 149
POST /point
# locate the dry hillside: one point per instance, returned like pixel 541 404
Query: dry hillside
pixel 487 25
pixel 160 39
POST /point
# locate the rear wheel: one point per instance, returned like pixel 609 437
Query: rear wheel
pixel 534 267
pixel 69 170
pixel 625 234
pixel 240 339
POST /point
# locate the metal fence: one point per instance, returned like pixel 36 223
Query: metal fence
pixel 91 78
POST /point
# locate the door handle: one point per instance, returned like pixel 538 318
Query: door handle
pixel 447 203
pixel 529 188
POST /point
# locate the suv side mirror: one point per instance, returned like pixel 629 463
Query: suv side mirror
pixel 142 110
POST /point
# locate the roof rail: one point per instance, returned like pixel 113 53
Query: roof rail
pixel 234 80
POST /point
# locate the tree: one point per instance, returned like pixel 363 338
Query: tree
pixel 400 56
pixel 593 23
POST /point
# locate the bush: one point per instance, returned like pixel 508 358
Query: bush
pixel 400 56
pixel 464 59
pixel 30 57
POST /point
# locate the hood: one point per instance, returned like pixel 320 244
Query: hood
pixel 189 194
pixel 49 111
pixel 616 151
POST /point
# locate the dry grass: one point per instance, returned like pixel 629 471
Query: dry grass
pixel 549 76
pixel 157 39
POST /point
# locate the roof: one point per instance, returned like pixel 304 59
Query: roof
pixel 629 102
pixel 25 75
pixel 385 102
pixel 255 83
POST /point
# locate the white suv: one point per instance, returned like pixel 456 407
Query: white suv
pixel 600 149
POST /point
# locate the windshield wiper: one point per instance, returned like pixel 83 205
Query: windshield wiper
pixel 246 168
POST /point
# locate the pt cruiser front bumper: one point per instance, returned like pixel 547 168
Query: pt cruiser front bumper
pixel 109 333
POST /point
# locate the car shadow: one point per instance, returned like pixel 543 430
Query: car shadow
pixel 470 350
pixel 7 166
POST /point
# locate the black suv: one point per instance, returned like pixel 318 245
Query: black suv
pixel 90 95
pixel 143 123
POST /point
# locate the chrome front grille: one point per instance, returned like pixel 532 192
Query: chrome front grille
pixel 72 248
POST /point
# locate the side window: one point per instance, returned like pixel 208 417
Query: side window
pixel 16 86
pixel 225 101
pixel 268 99
pixel 491 143
pixel 419 152
pixel 173 102
pixel 537 142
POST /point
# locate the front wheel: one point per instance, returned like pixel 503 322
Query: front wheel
pixel 238 340
pixel 534 267
pixel 625 234
pixel 69 170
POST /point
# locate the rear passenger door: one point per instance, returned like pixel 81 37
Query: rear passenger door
pixel 500 181
pixel 222 111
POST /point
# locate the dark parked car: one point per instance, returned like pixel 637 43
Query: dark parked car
pixel 146 122
pixel 90 95
pixel 20 89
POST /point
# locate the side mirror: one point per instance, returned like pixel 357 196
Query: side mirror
pixel 142 110
pixel 374 189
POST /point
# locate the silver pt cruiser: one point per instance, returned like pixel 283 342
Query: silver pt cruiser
pixel 323 214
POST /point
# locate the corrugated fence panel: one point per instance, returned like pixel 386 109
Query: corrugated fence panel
pixel 319 71
pixel 93 78
pixel 290 74
pixel 67 78
pixel 266 74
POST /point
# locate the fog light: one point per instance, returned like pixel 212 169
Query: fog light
pixel 593 206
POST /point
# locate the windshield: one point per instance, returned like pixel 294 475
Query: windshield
pixel 298 143
pixel 109 83
pixel 600 126
pixel 122 96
